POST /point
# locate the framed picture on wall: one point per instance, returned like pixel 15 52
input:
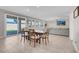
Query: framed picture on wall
pixel 61 22
pixel 76 12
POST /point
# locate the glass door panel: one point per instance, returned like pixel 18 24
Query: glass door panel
pixel 22 23
pixel 11 26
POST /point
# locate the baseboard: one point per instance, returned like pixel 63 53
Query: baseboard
pixel 75 47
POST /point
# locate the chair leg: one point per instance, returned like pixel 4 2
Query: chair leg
pixel 34 42
pixel 30 41
pixel 39 41
pixel 48 39
pixel 24 39
pixel 45 41
pixel 21 38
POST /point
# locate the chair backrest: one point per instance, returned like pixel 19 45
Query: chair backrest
pixel 22 32
pixel 46 34
pixel 31 32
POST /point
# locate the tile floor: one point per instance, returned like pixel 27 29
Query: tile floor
pixel 57 44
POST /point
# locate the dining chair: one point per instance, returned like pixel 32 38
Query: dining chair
pixel 33 37
pixel 45 37
pixel 24 35
pixel 38 38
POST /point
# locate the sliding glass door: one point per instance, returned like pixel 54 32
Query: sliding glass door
pixel 22 24
pixel 11 25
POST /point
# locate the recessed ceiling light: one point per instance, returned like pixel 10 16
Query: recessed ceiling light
pixel 28 10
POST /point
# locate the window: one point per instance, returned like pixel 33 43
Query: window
pixel 37 23
pixel 33 23
pixel 11 25
pixel 22 23
pixel 29 22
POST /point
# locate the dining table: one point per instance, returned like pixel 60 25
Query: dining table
pixel 37 32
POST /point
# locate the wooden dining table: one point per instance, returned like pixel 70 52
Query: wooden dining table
pixel 37 32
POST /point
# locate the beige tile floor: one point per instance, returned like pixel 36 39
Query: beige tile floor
pixel 57 44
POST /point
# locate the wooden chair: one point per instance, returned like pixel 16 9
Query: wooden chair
pixel 45 37
pixel 38 38
pixel 32 36
pixel 23 35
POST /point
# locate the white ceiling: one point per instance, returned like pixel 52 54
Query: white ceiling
pixel 42 12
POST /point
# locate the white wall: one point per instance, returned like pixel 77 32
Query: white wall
pixel 55 29
pixel 53 24
pixel 74 30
